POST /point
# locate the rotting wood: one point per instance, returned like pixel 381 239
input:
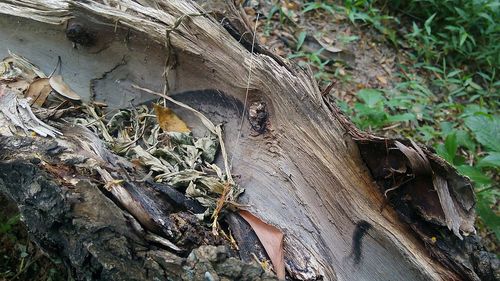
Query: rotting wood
pixel 304 175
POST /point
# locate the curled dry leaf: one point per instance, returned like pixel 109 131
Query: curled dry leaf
pixel 272 240
pixel 38 91
pixel 30 71
pixel 169 121
pixel 18 112
pixel 57 83
pixel 418 161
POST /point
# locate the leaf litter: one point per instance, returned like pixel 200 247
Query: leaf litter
pixel 153 138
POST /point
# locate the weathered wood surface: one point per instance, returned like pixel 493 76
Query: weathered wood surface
pixel 305 174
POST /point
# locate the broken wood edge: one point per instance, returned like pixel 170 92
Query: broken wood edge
pixel 471 260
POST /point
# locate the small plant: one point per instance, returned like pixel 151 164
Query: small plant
pixel 374 111
pixel 365 11
pixel 6 226
pixel 479 159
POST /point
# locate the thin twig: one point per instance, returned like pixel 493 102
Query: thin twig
pixel 169 60
pixel 247 90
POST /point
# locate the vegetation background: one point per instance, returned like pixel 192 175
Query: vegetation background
pixel 422 69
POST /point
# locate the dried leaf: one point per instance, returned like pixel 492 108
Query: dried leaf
pixel 327 46
pixel 57 83
pixel 272 240
pixel 169 121
pixel 30 71
pixel 418 161
pixel 217 130
pixel 38 92
pixel 382 79
pixel 18 112
pixel 19 86
pixel 208 146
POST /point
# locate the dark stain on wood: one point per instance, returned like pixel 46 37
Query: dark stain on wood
pixel 361 229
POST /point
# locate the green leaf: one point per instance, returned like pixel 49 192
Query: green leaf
pixel 401 117
pixel 428 22
pixel 485 202
pixel 453 73
pixel 443 152
pixel 451 144
pixel 311 6
pixel 463 37
pixel 492 160
pixel 472 109
pixel 487 17
pixel 7 226
pixel 486 129
pixel 328 8
pixel 473 84
pixel 474 174
pixel 464 140
pixel 426 132
pixel 300 40
pixel 370 96
pixel 446 128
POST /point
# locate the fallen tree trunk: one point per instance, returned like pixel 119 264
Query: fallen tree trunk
pixel 351 206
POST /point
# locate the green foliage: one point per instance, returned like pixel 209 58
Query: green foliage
pixel 365 11
pixel 486 128
pixel 311 6
pixel 375 111
pixel 464 32
pixel 461 32
pixel 486 199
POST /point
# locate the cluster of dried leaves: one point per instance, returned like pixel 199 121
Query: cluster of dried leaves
pixel 28 93
pixel 158 140
pixel 152 137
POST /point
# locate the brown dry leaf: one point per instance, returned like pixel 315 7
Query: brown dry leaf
pixel 169 121
pixel 382 79
pixel 327 46
pixel 57 83
pixel 419 163
pixel 38 91
pixel 272 240
pixel 19 85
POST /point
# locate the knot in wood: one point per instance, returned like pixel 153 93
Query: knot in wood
pixel 257 116
pixel 78 33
